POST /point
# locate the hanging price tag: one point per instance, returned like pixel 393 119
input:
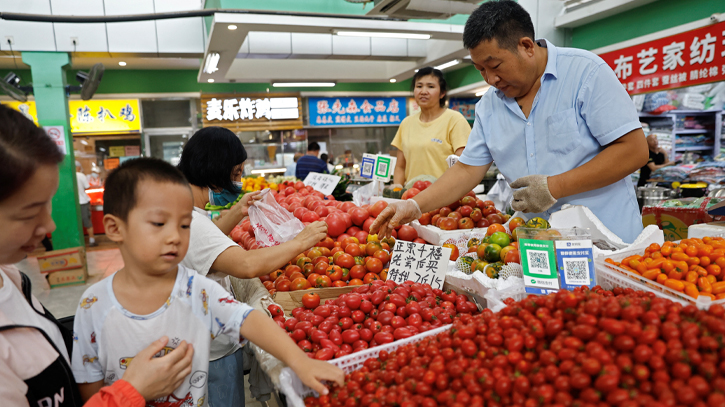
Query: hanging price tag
pixel 324 183
pixel 420 263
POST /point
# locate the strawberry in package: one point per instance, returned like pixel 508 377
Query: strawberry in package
pixel 272 223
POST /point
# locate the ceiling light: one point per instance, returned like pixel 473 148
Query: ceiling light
pixel 210 80
pixel 210 66
pixel 447 64
pixel 232 27
pixel 417 70
pixel 121 63
pixel 409 36
pixel 303 84
pixel 393 80
pixel 269 170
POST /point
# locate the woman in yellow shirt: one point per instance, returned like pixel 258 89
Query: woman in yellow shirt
pixel 425 139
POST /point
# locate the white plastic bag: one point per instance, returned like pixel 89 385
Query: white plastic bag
pixel 362 196
pixel 272 223
pixel 501 193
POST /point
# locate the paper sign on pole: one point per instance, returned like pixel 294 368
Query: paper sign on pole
pixel 57 134
pixel 384 166
pixel 420 263
pixel 368 165
pixel 324 183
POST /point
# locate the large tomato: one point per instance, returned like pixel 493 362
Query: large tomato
pixel 310 300
pixel 376 209
pixel 358 272
pixel 368 222
pixel 359 215
pixel 335 225
pixel 300 284
pixel 407 233
pixel 412 192
pixel 345 260
pixel 374 265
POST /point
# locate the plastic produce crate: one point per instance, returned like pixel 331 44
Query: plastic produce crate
pixel 296 391
pixel 610 276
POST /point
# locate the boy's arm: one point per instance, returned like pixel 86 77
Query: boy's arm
pixel 265 333
pixel 89 389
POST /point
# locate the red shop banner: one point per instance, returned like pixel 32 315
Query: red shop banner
pixel 690 58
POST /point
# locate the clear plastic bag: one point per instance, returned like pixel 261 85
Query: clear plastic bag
pixel 501 194
pixel 272 223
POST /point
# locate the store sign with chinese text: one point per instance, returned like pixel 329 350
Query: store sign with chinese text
pixel 420 263
pixel 690 58
pixel 252 112
pixel 93 116
pixel 362 111
pixel 104 116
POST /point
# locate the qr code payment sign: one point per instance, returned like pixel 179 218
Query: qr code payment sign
pixel 367 168
pixel 383 168
pixel 538 262
pixel 576 270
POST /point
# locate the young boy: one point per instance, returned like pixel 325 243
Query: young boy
pixel 147 206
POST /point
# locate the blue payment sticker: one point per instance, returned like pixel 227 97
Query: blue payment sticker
pixel 368 165
pixel 575 263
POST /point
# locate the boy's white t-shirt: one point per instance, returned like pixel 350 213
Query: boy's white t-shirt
pixel 106 336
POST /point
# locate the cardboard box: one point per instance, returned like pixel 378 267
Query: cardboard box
pixel 65 259
pixel 290 300
pixel 674 221
pixel 68 278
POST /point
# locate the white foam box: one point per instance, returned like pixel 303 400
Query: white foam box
pixel 712 229
pixel 438 236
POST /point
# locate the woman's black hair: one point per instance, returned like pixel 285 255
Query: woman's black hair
pixel 210 156
pixel 23 148
pixel 429 70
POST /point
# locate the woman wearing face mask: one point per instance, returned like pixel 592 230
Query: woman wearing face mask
pixel 424 140
pixel 211 161
pixel 34 352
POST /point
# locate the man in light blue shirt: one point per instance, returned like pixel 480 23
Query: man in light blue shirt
pixel 559 125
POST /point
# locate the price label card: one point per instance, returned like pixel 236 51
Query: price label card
pixel 324 183
pixel 368 165
pixel 384 166
pixel 538 260
pixel 420 263
pixel 576 263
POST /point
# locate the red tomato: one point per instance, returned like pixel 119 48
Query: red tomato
pixel 374 265
pixel 311 300
pixel 407 233
pixel 345 260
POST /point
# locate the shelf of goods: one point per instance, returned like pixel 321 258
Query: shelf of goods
pixel 687 130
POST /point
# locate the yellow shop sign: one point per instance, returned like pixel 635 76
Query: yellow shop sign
pixel 93 116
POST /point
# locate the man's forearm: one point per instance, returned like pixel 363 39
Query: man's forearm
pixel 616 161
pixel 455 182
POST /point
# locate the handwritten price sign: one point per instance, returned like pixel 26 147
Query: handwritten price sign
pixel 420 263
pixel 324 183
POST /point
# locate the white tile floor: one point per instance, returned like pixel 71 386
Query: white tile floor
pixel 62 302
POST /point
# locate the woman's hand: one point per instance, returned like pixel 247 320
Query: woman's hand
pixel 158 377
pixel 241 209
pixel 312 234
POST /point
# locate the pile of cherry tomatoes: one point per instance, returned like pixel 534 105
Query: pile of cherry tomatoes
pixel 583 348
pixel 694 266
pixel 333 264
pixel 371 315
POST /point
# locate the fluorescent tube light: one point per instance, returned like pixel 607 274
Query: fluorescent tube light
pixel 210 66
pixel 447 64
pixel 303 84
pixel 409 36
pixel 210 80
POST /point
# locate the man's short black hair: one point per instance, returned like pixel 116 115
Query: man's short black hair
pixel 429 70
pixel 119 196
pixel 504 20
pixel 209 158
pixel 313 146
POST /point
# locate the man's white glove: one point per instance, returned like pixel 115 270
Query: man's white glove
pixel 394 215
pixel 533 195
